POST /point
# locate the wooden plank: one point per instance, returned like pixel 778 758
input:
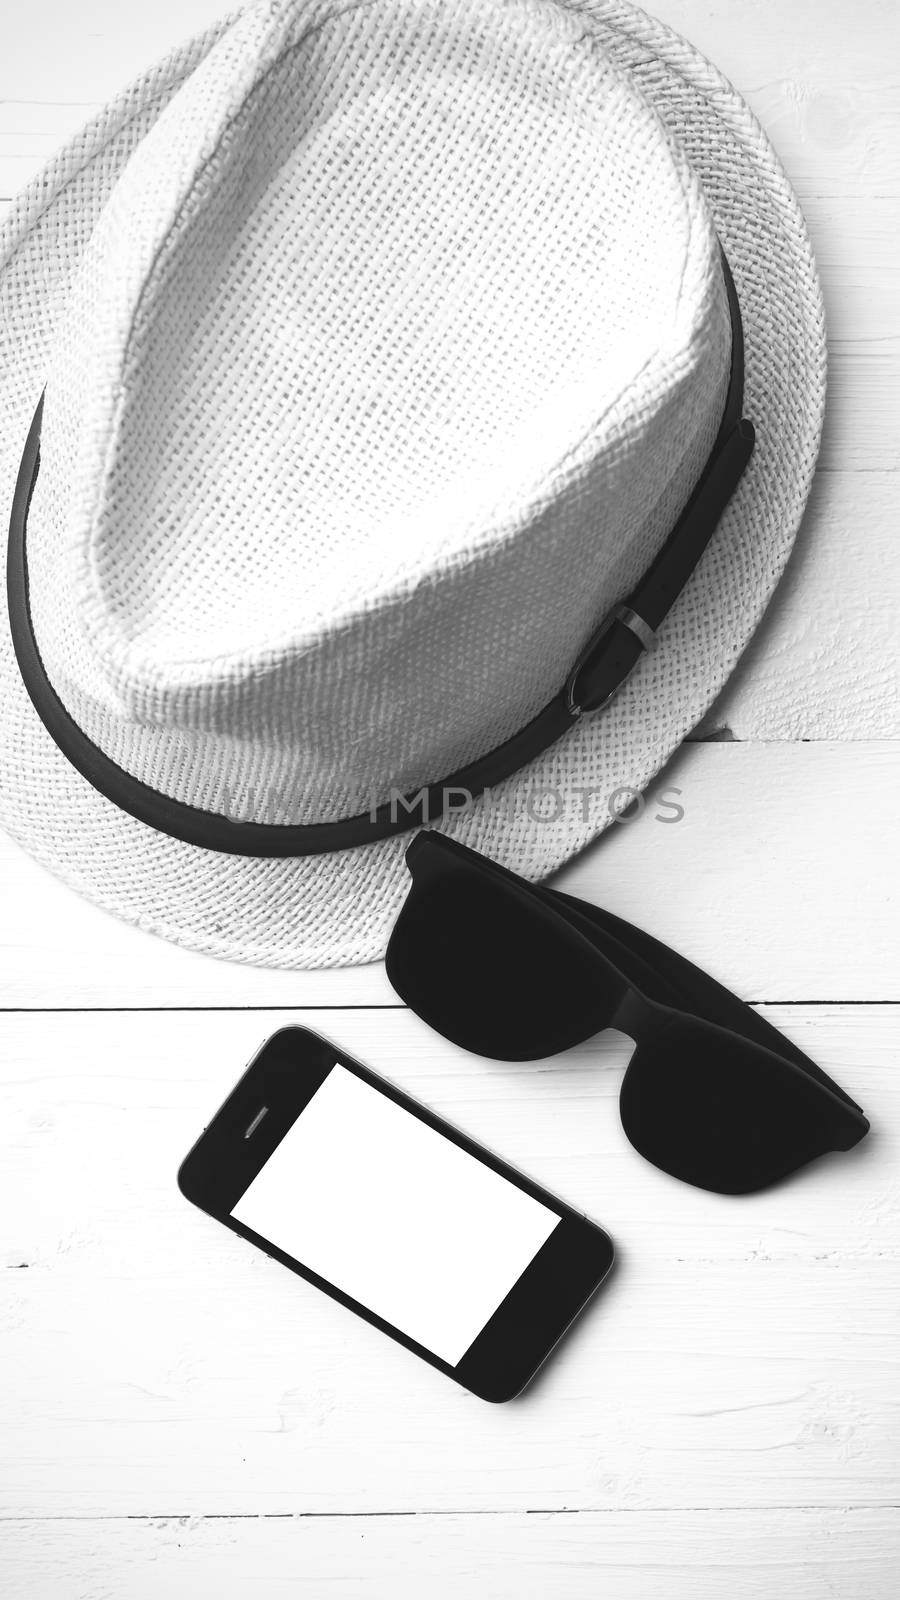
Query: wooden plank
pixel 696 1555
pixel 824 664
pixel 858 254
pixel 825 93
pixel 857 248
pixel 778 878
pixel 56 54
pixel 745 1353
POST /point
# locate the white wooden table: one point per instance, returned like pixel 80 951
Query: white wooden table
pixel 182 1418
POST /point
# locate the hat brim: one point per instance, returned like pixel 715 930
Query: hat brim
pixel 336 910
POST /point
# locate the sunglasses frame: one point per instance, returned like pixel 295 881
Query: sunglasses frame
pixel 658 993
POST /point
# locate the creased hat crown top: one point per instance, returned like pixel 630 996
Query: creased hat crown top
pixel 394 354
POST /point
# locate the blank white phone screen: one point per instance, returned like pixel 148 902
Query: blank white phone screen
pixel 395 1215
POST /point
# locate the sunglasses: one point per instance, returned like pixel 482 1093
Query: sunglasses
pixel 713 1094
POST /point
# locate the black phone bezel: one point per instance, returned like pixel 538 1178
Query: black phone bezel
pixel 284 1075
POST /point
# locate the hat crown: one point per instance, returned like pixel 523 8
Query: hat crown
pixel 389 366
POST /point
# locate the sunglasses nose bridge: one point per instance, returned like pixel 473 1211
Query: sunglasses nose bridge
pixel 638 1017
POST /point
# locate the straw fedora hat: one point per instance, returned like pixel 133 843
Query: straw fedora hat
pixel 374 385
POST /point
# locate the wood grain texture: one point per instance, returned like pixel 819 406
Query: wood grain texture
pixel 744 1354
pixel 183 1418
pixel 806 1554
pixel 825 663
pixel 780 878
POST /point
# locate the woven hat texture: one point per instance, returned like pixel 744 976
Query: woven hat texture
pixel 382 346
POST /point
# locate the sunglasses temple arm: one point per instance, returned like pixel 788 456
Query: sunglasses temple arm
pixel 702 995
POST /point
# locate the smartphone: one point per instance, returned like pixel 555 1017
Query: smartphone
pixel 390 1210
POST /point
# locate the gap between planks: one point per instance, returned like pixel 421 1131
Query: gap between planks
pixel 102 1011
pixel 194 1517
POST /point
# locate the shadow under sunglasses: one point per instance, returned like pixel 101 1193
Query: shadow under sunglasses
pixel 713 1094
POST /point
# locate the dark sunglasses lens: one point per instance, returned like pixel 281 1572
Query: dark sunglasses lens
pixel 494 971
pixel 722 1113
